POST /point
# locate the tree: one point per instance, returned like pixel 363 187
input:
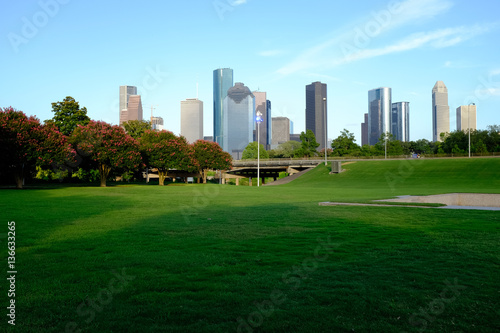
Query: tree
pixel 286 149
pixel 68 115
pixel 308 146
pixel 136 128
pixel 164 151
pixel 210 156
pixel 387 140
pixel 25 144
pixel 344 144
pixel 107 146
pixel 250 152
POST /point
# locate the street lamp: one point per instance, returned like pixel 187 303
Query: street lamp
pixel 324 109
pixel 468 122
pixel 258 119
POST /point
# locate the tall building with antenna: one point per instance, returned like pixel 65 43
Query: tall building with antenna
pixel 192 119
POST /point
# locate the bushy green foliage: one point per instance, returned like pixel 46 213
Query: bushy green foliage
pixel 164 150
pixel 210 156
pixel 108 147
pixel 250 152
pixel 136 128
pixel 25 144
pixel 68 115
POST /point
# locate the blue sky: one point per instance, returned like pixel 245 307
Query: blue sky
pixel 87 49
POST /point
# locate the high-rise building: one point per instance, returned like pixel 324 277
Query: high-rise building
pixel 157 123
pixel 466 118
pixel 364 131
pixel 400 121
pixel 379 113
pixel 239 120
pixel 223 80
pixel 263 105
pixel 125 93
pixel 316 112
pixel 192 119
pixel 440 111
pixel 281 130
pixel 134 108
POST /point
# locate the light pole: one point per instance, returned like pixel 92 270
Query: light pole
pixel 258 119
pixel 324 109
pixel 468 122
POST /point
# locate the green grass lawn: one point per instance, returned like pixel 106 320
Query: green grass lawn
pixel 211 258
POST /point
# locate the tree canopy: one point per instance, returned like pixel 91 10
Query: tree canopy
pixel 308 146
pixel 68 115
pixel 164 150
pixel 108 146
pixel 344 144
pixel 25 144
pixel 250 151
pixel 136 128
pixel 210 156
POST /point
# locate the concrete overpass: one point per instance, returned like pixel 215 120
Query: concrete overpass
pixel 268 169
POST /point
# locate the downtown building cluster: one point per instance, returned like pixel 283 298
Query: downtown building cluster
pixel 235 108
pixel 384 116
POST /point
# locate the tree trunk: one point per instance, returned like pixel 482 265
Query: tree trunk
pixel 19 177
pixel 161 177
pixel 104 172
pixel 205 171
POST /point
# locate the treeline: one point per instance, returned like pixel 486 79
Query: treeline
pixel 455 143
pixel 72 144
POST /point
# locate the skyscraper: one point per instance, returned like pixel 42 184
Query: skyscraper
pixel 238 121
pixel 364 131
pixel 157 123
pixel 125 93
pixel 192 119
pixel 263 105
pixel 223 80
pixel 440 111
pixel 466 117
pixel 134 108
pixel 316 111
pixel 400 121
pixel 379 113
pixel 281 130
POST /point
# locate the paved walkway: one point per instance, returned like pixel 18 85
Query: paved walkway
pixel 288 179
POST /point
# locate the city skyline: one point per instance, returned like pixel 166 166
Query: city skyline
pixel 352 48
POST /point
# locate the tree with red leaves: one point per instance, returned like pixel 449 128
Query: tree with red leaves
pixel 25 143
pixel 108 146
pixel 210 156
pixel 165 151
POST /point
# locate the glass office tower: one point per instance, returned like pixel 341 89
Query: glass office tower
pixel 223 80
pixel 400 120
pixel 379 113
pixel 316 112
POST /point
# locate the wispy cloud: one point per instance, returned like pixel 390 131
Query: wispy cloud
pixel 270 53
pixel 238 2
pixel 435 39
pixel 386 19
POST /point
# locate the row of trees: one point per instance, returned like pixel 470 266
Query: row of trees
pixel 482 141
pixel 74 142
